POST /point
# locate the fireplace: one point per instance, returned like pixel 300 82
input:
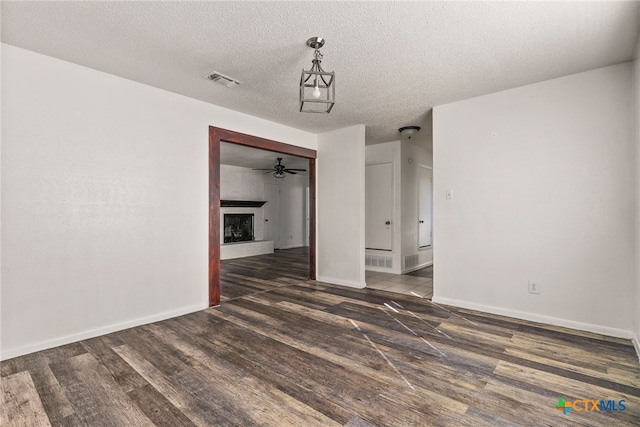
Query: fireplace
pixel 238 228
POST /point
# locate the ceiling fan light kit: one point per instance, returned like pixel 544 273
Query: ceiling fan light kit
pixel 280 171
pixel 317 87
pixel 408 131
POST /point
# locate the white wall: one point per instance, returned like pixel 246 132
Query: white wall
pixel 237 183
pixel 1 208
pixel 340 207
pixel 292 211
pixel 544 189
pixel 104 200
pixel 410 199
pixel 292 224
pixel 389 152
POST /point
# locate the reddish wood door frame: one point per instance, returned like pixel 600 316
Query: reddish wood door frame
pixel 216 135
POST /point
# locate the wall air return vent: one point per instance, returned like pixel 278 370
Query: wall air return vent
pixel 221 79
pixel 378 261
pixel 410 261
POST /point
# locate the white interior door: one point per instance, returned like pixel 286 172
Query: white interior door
pixel 379 206
pixel 425 202
pixel 272 214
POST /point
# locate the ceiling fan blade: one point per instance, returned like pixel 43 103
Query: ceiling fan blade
pixel 297 170
pixel 261 169
pixel 292 173
pixel 268 171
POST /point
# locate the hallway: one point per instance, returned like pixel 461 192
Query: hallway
pixel 417 283
pixel 244 276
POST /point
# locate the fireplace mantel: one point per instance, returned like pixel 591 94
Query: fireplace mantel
pixel 241 203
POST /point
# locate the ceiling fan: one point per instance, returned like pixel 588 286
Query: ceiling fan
pixel 280 170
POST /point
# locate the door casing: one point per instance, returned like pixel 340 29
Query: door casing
pixel 216 135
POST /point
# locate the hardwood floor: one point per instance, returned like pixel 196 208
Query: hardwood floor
pixel 245 276
pixel 282 351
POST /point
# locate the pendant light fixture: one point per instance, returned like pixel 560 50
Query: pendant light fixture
pixel 317 87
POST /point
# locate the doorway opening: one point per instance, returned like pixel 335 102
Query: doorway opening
pixel 216 136
pixel 398 219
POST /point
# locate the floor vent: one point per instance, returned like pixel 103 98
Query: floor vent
pixel 410 261
pixel 378 261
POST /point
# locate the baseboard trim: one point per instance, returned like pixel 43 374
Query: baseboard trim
pixel 334 281
pixel 290 247
pixel 533 317
pixel 92 333
pixel 382 270
pixel 636 344
pixel 418 267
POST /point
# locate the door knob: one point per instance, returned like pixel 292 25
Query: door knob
pixel 421 222
pixel 388 222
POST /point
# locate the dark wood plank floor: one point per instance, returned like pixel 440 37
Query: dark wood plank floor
pixel 283 351
pixel 244 276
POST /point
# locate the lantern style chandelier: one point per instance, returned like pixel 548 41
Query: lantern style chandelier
pixel 317 87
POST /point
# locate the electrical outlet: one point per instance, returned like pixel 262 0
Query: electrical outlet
pixel 534 287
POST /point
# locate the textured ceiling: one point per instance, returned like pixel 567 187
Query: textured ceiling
pixel 248 157
pixel 393 60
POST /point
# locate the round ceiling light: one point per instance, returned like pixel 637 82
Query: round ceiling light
pixel 409 131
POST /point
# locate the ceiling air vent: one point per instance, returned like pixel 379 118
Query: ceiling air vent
pixel 221 79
